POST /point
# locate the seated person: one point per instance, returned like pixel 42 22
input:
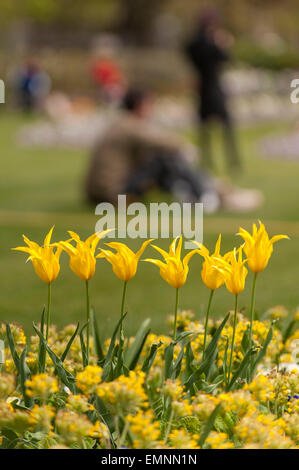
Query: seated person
pixel 134 156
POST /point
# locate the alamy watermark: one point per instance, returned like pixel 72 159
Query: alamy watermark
pixel 155 220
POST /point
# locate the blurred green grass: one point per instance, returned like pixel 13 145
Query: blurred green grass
pixel 41 187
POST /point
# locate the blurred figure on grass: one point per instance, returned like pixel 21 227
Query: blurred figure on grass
pixel 134 156
pixel 207 52
pixel 106 72
pixel 32 85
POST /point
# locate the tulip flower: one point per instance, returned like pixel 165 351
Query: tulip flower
pixel 83 264
pixel 235 284
pixel 45 260
pixel 258 248
pixel 213 273
pixel 173 271
pixel 236 272
pixel 124 265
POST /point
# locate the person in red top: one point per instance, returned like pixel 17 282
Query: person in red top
pixel 109 78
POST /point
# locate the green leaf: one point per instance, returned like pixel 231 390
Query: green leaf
pixel 288 330
pixel 65 376
pixel 25 375
pixel 96 337
pixel 132 354
pixel 41 347
pixel 209 357
pixel 65 352
pixel 209 425
pixel 12 348
pixel 245 343
pixel 178 363
pixel 83 347
pixel 151 357
pixel 262 352
pixel 168 359
pixel 105 414
pixel 107 367
pixel 242 368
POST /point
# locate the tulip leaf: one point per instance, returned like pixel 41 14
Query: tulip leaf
pixel 65 352
pixel 209 357
pixel 242 368
pixel 262 352
pixel 41 347
pixel 168 358
pixel 105 414
pixel 12 348
pixel 288 330
pixel 107 367
pixel 25 375
pixel 151 357
pixel 65 376
pixel 132 354
pixel 96 337
pixel 245 343
pixel 178 363
pixel 83 347
pixel 209 425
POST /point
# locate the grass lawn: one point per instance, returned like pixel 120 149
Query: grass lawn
pixel 42 187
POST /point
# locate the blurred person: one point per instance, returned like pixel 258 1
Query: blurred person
pixel 105 69
pixel 32 85
pixel 134 156
pixel 207 52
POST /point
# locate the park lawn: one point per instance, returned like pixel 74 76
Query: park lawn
pixel 42 187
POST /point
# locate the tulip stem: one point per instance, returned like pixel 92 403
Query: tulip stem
pixel 233 338
pixel 48 310
pixel 87 319
pixel 252 307
pixel 121 333
pixel 206 322
pixel 176 313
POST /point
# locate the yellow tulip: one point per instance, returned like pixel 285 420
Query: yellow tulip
pixel 82 256
pixel 236 272
pixel 124 262
pixel 124 265
pixel 174 271
pixel 213 273
pixel 258 247
pixel 214 268
pixel 45 258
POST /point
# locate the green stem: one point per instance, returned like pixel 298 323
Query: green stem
pixel 87 319
pixel 121 333
pixel 176 313
pixel 252 307
pixel 233 338
pixel 48 310
pixel 206 322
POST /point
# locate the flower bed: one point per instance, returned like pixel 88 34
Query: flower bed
pixel 220 384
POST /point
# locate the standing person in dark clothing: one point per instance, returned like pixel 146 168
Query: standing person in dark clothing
pixel 207 55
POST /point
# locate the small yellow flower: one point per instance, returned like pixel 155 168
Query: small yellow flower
pixel 82 258
pixel 235 278
pixel 173 271
pixel 214 268
pixel 45 258
pixel 258 247
pixel 124 262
